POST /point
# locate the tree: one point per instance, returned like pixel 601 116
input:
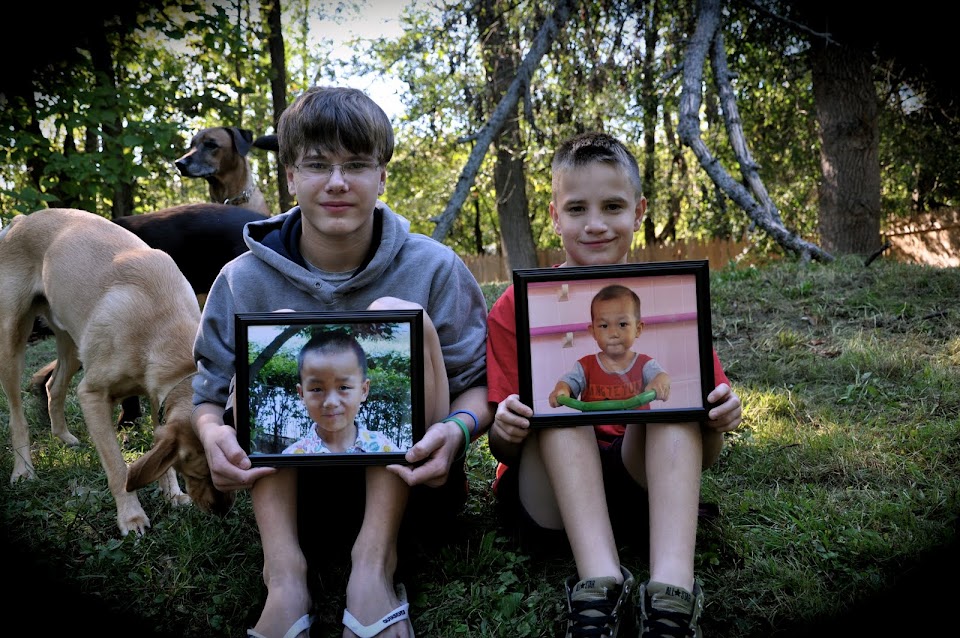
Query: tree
pixel 500 61
pixel 846 101
pixel 278 84
pixel 497 119
pixel 707 36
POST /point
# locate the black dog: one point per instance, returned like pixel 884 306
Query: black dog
pixel 201 238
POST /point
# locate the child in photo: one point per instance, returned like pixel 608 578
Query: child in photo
pixel 332 368
pixel 616 373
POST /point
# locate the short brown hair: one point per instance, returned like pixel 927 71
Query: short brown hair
pixel 333 120
pixel 587 148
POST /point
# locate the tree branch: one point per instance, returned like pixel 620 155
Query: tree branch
pixel 765 216
pixel 486 135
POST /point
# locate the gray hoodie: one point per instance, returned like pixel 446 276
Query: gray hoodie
pixel 274 276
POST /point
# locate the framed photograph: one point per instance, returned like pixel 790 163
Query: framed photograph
pixel 618 344
pixel 329 388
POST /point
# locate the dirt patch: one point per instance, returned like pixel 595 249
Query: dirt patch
pixel 930 238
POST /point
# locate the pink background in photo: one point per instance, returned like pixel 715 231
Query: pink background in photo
pixel 558 321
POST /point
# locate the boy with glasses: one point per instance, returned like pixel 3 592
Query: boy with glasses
pixel 341 249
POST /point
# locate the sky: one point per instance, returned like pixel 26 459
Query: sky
pixel 375 19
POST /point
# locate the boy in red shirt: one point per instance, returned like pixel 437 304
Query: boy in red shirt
pixel 563 478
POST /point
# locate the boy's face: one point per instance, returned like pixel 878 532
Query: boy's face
pixel 615 325
pixel 340 203
pixel 332 388
pixel 595 211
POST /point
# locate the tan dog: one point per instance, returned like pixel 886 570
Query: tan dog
pixel 126 314
pixel 219 155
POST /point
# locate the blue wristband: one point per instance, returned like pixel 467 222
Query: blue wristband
pixel 476 421
pixel 466 433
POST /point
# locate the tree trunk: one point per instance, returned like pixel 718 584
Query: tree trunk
pixel 500 59
pixel 484 138
pixel 651 103
pixel 278 86
pixel 847 110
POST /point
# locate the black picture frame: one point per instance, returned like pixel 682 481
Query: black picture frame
pixel 270 414
pixel 553 318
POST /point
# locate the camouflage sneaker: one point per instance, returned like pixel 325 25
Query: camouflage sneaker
pixel 600 607
pixel 668 611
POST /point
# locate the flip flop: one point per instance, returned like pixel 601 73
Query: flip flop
pixel 295 630
pixel 399 614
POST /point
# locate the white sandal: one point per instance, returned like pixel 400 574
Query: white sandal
pixel 303 624
pixel 399 614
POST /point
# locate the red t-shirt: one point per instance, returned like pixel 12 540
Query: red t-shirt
pixel 503 376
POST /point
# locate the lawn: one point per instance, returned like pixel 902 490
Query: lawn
pixel 842 483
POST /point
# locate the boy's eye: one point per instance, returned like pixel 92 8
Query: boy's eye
pixel 325 169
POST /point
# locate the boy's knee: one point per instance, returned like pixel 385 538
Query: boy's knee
pixel 393 303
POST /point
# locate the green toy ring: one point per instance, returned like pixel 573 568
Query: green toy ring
pixel 618 404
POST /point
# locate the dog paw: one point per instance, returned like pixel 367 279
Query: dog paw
pixel 68 439
pixel 22 472
pixel 180 500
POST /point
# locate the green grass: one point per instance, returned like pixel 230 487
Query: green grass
pixel 845 473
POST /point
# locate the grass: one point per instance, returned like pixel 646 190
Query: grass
pixel 844 476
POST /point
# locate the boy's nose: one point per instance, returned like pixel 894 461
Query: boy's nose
pixel 336 180
pixel 595 222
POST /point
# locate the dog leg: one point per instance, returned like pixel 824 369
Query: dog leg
pixel 13 343
pixel 98 414
pixel 67 365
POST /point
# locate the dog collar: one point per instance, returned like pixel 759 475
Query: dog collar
pixel 242 198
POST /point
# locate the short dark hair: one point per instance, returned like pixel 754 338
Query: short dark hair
pixel 588 148
pixel 616 291
pixel 332 342
pixel 333 120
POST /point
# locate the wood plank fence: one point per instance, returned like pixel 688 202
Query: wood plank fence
pixel 494 268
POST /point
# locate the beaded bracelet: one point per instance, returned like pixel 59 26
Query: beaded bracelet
pixel 476 421
pixel 466 433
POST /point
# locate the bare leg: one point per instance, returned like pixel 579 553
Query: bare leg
pixel 284 566
pixel 572 464
pixel 370 590
pixel 436 389
pixel 666 458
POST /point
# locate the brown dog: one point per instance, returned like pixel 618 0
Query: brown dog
pixel 219 155
pixel 126 314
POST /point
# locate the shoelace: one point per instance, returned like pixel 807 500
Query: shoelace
pixel 667 624
pixel 593 625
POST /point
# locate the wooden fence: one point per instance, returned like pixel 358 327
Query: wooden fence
pixel 494 268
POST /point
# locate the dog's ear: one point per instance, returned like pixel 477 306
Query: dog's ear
pixel 154 462
pixel 267 143
pixel 241 139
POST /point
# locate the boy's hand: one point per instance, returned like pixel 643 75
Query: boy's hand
pixel 660 384
pixel 230 467
pixel 440 446
pixel 561 389
pixel 727 415
pixel 511 422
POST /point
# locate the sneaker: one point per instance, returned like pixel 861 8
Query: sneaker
pixel 600 607
pixel 668 611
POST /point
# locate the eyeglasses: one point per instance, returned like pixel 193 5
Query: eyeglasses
pixel 325 170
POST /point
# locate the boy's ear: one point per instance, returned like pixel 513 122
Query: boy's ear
pixel 641 210
pixel 555 217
